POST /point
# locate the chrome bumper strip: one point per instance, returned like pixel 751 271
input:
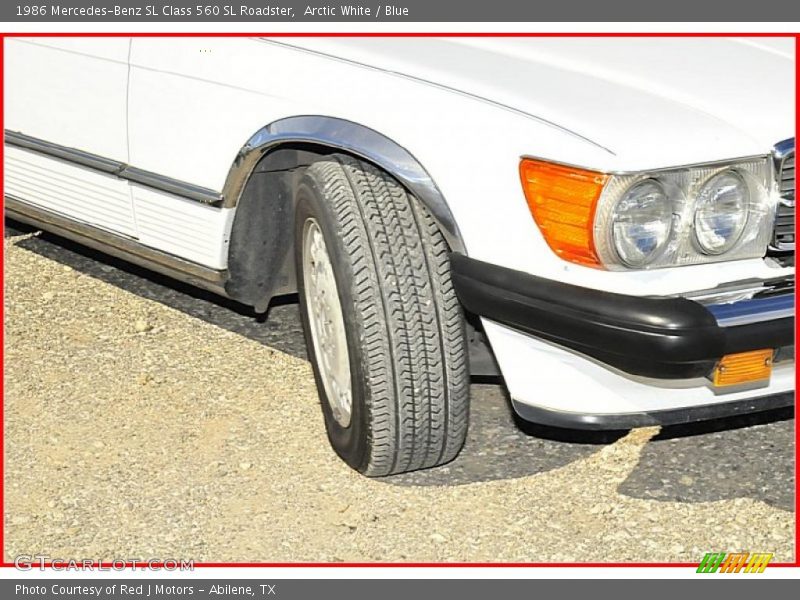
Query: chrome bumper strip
pixel 753 310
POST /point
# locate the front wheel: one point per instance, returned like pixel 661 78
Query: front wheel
pixel 384 329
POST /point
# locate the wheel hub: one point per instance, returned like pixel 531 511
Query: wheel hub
pixel 326 323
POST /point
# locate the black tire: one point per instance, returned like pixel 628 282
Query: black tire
pixel 403 323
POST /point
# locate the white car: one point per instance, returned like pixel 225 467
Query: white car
pixel 615 216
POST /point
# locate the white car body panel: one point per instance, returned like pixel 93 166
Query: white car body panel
pixel 69 91
pixel 467 109
pixel 609 90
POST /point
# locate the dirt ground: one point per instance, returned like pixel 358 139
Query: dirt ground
pixel 137 430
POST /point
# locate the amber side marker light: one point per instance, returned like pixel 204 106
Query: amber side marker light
pixel 744 367
pixel 562 201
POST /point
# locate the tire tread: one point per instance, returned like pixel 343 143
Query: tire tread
pixel 410 322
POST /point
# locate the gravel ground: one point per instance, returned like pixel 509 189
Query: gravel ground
pixel 145 419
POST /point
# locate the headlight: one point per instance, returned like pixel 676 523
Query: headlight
pixel 660 218
pixel 721 212
pixel 641 222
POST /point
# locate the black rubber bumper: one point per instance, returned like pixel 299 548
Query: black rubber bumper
pixel 665 338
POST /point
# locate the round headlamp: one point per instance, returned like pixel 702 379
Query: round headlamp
pixel 721 212
pixel 641 222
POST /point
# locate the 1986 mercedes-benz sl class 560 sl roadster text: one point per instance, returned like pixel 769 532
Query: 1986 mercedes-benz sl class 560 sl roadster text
pixel 609 223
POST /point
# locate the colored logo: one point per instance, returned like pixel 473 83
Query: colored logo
pixel 744 562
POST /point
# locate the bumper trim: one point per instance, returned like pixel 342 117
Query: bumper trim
pixel 677 416
pixel 753 310
pixel 662 338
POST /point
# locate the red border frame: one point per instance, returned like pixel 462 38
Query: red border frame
pixel 108 565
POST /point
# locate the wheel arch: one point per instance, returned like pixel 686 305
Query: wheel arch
pixel 260 187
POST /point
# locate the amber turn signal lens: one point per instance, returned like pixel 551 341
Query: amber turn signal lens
pixel 562 201
pixel 744 367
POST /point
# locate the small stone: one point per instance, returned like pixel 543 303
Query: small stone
pixel 98 444
pixel 600 509
pixel 244 466
pixel 48 296
pixel 142 326
pixel 686 480
pixel 438 538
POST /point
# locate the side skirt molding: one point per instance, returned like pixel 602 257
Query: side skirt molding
pixel 112 167
pixel 117 245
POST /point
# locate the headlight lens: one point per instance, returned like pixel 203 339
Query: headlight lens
pixel 641 223
pixel 721 213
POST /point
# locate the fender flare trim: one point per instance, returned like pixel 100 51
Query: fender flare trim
pixel 350 137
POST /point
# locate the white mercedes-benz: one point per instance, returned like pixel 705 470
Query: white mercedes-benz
pixel 613 217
